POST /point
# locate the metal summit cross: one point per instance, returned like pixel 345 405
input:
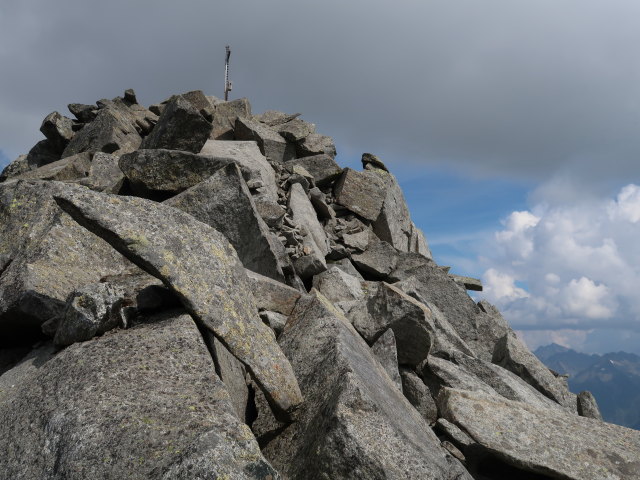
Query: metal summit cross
pixel 227 84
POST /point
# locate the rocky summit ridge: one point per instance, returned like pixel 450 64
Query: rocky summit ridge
pixel 193 291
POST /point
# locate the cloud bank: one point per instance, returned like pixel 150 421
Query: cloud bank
pixel 563 272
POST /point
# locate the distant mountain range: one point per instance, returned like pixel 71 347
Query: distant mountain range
pixel 613 378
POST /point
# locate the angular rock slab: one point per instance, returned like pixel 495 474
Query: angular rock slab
pixel 355 422
pixel 248 157
pixel 200 265
pixel 140 403
pixel 168 171
pixel 47 257
pixel 323 168
pixel 512 354
pixel 361 192
pixel 76 167
pixel 224 202
pixel 544 441
pixel 180 127
pixel 111 131
pixel 271 143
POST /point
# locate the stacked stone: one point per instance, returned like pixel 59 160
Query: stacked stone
pixel 194 291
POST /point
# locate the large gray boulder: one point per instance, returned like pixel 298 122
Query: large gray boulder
pixel 418 395
pixel 111 131
pixel 272 295
pixel 315 144
pixel 361 192
pixel 141 403
pixel 338 286
pixel 72 168
pixel 377 261
pixel 180 127
pixel 104 174
pixel 271 143
pixel 224 202
pixel 323 168
pixel 355 423
pixel 167 171
pixel 547 442
pixel 247 156
pixel 587 406
pixel 418 330
pixel 295 130
pixel 47 257
pixel 58 129
pixel 386 352
pixel 202 268
pixel 17 167
pixel 514 355
pixel 225 115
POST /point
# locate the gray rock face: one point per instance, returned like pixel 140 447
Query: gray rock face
pixel 433 285
pixel 104 174
pixel 316 144
pixel 323 168
pixel 513 355
pixel 48 257
pixel 361 192
pixel 587 406
pixel 18 166
pixel 274 117
pixel 247 156
pixel 58 129
pixel 180 127
pixel 468 283
pixel 224 118
pixel 200 265
pixel 110 132
pixel 296 130
pixel 168 171
pixel 357 427
pixel 232 373
pixel 386 352
pixel 544 441
pixel 224 202
pixel 42 153
pixel 91 310
pixel 126 422
pixel 377 261
pixel 72 168
pixel 84 113
pixel 270 142
pixel 393 225
pixel 417 330
pixel 272 295
pixel 418 395
pixel 314 238
pixel 337 285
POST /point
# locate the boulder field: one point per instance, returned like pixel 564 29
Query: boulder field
pixel 194 291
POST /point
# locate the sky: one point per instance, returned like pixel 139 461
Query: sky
pixel 513 127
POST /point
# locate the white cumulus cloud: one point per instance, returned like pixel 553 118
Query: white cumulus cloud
pixel 568 271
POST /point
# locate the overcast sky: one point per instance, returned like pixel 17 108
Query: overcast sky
pixel 513 126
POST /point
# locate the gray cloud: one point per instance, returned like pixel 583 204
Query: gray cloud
pixel 523 89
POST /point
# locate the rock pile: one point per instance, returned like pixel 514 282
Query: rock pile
pixel 193 291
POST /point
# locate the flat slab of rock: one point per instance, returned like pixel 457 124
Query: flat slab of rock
pixel 386 352
pixel 104 174
pixel 361 192
pixel 514 355
pixel 180 127
pixel 468 283
pixel 272 295
pixel 547 442
pixel 355 422
pixel 169 171
pixel 418 395
pixel 153 408
pixel 323 168
pixel 316 144
pixel 203 269
pixel 75 167
pixel 377 261
pixel 247 156
pixel 47 257
pixel 224 202
pixel 225 114
pixel 271 143
pixel 418 331
pixel 111 131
